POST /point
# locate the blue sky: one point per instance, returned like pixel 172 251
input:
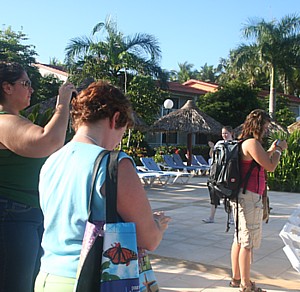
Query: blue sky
pixel 195 31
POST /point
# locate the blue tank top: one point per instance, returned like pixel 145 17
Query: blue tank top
pixel 64 187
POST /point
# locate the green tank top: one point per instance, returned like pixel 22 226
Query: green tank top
pixel 19 177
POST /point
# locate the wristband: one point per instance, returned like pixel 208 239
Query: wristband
pixel 279 147
pixel 278 151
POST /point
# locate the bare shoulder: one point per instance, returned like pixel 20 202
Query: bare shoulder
pixel 12 120
pixel 14 127
pixel 251 142
pixel 250 146
pixel 127 173
pixel 125 164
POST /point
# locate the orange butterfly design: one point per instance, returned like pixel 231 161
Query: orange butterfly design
pixel 120 255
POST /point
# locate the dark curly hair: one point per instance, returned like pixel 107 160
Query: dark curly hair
pixel 98 101
pixel 254 124
pixel 9 72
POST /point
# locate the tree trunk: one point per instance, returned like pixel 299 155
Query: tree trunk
pixel 189 149
pixel 129 137
pixel 272 98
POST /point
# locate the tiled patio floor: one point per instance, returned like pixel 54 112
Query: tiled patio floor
pixel 195 256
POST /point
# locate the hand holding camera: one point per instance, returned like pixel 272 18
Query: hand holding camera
pixel 281 144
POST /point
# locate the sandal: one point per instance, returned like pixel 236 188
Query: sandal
pixel 234 283
pixel 251 288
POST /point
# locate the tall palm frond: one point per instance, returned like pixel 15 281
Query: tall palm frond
pixel 79 46
pixel 114 52
pixel 98 27
pixel 141 43
pixel 275 45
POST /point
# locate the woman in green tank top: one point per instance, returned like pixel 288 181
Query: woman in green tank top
pixel 24 147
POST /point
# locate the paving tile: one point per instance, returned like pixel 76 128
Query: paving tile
pixel 194 256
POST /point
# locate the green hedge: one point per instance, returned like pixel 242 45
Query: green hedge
pixel 181 150
pixel 286 177
pixel 137 152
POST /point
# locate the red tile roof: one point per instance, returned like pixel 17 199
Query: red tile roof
pixel 292 98
pixel 212 87
pixel 206 86
pixel 52 68
pixel 181 88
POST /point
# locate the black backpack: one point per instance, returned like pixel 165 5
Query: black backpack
pixel 224 176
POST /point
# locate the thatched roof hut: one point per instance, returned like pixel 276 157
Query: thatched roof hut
pixel 273 127
pixel 293 127
pixel 43 105
pixel 139 123
pixel 187 119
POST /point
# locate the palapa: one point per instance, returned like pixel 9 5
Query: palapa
pixel 43 106
pixel 188 119
pixel 138 123
pixel 272 128
pixel 294 126
pixel 50 103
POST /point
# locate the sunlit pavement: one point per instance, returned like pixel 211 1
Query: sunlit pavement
pixel 195 256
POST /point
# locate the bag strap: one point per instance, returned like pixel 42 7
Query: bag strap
pixel 248 174
pixel 252 166
pixel 111 186
pixel 94 175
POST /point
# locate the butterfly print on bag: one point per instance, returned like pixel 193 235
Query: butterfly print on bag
pixel 120 255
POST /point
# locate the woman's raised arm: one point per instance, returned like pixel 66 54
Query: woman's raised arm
pixel 27 139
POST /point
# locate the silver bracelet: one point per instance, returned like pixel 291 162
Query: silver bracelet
pixel 278 151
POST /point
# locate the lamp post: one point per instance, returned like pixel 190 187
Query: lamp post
pixel 168 105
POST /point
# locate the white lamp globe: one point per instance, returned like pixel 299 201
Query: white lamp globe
pixel 168 104
pixel 298 119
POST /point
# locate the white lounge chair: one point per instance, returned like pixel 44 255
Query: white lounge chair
pixel 151 165
pixel 178 161
pixel 149 177
pixel 204 166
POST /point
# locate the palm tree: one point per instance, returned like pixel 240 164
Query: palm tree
pixel 276 45
pixel 207 73
pixel 185 72
pixel 114 56
pixel 243 65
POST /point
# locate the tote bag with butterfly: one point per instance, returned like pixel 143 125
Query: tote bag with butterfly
pixel 109 256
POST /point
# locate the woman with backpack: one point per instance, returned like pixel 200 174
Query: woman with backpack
pixel 227 135
pixel 249 206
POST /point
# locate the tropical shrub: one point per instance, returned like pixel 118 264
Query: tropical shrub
pixel 286 177
pixel 181 150
pixel 163 150
pixel 135 153
pixel 38 117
